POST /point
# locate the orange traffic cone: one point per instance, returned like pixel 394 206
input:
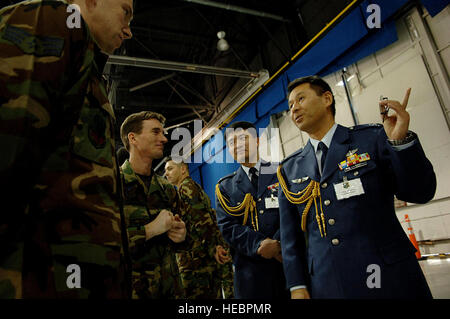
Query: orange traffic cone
pixel 412 237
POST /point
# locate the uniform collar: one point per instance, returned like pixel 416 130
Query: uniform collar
pixel 185 180
pixel 326 139
pixel 130 175
pixel 247 169
pixel 100 57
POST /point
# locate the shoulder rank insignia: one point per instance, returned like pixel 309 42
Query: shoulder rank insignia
pixel 354 161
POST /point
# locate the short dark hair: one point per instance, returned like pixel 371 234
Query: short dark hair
pixel 317 84
pixel 243 125
pixel 133 123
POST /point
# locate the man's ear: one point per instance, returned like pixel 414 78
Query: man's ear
pixel 131 138
pixel 328 98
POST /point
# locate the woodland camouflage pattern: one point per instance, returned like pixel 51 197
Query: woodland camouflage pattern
pixel 223 274
pixel 198 264
pixel 58 173
pixel 154 269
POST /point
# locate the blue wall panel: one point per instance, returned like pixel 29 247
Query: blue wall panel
pixel 271 96
pixel 387 8
pixel 194 166
pixel 196 175
pixel 386 36
pixel 247 114
pixel 434 6
pixel 212 173
pixel 282 106
pixel 262 123
pixel 206 151
pixel 336 42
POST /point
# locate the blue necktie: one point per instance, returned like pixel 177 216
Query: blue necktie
pixel 254 177
pixel 324 150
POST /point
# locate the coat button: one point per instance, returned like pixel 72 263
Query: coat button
pixel 335 241
pixel 356 173
pixel 261 211
pixel 259 199
pixel 324 185
pixel 331 221
pixel 327 202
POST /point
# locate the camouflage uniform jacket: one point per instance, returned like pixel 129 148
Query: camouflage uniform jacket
pixel 58 174
pixel 154 270
pixel 223 274
pixel 201 227
pixel 198 264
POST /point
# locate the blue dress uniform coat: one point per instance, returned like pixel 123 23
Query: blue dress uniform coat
pixel 361 230
pixel 255 276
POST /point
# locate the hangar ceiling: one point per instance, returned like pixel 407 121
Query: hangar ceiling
pixel 262 35
pixel 173 38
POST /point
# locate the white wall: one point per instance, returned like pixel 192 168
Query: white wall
pixel 390 72
pixel 432 221
pixel 438 30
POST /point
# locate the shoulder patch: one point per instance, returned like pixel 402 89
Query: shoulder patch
pixel 365 126
pixel 226 177
pixel 30 44
pixel 292 155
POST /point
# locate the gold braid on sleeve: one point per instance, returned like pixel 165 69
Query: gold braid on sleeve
pixel 243 209
pixel 308 196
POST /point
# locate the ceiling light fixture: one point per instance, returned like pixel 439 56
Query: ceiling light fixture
pixel 222 44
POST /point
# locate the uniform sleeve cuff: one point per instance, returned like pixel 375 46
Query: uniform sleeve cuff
pixel 402 144
pixel 257 247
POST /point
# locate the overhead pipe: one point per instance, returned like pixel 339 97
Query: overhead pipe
pixel 178 66
pixel 239 9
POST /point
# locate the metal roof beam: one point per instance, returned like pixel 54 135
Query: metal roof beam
pixel 152 82
pixel 239 9
pixel 137 105
pixel 179 66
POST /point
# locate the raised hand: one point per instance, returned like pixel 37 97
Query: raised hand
pixel 395 125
